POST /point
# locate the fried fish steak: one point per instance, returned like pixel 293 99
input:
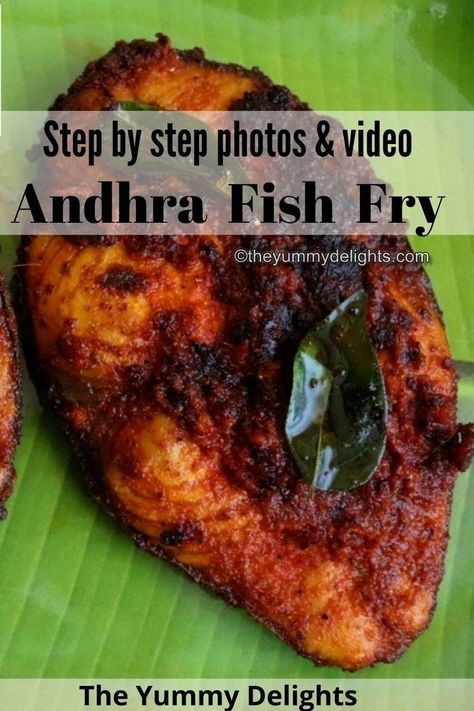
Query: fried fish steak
pixel 170 365
pixel 9 396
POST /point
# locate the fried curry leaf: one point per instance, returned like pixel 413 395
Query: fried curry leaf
pixel 137 106
pixel 336 422
pixel 216 177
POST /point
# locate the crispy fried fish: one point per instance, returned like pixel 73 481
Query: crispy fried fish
pixel 170 365
pixel 9 396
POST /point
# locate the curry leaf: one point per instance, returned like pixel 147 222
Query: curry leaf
pixel 336 423
pixel 216 177
pixel 137 106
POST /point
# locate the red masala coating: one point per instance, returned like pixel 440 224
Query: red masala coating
pixel 171 366
pixel 9 396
